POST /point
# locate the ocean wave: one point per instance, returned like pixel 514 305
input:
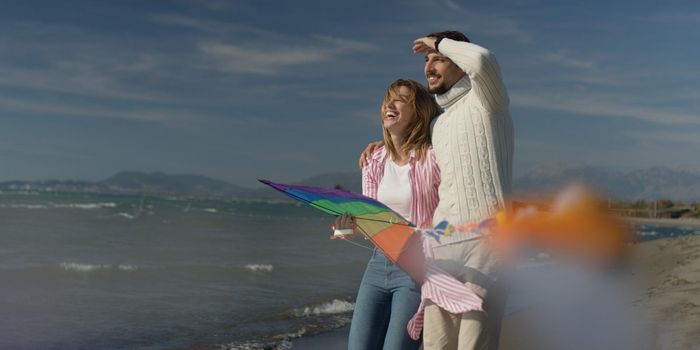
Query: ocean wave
pixel 647 233
pixel 210 210
pixel 84 206
pixel 259 267
pixel 283 344
pixel 329 308
pixel 24 206
pixel 126 215
pixel 82 267
pixel 308 321
pixel 125 267
pixel 71 266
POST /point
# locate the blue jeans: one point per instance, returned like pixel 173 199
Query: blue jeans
pixel 386 301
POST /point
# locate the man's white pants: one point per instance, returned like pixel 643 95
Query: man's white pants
pixel 474 263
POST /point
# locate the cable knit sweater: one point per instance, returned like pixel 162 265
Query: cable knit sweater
pixel 473 138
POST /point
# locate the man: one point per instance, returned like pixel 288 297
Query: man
pixel 473 143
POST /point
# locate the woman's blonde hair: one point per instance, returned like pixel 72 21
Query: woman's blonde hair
pixel 426 108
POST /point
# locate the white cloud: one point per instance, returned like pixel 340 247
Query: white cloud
pixel 487 25
pixel 567 59
pixel 603 106
pixel 140 63
pixel 75 61
pixel 451 15
pixel 210 26
pixel 453 5
pixel 35 150
pixel 55 106
pixel 215 5
pixel 236 59
pixel 674 18
pixel 640 149
pixel 270 59
pixel 187 22
pixel 87 80
pixel 342 45
pixel 278 51
pixel 498 26
pixel 684 137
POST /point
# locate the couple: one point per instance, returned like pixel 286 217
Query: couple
pixel 462 176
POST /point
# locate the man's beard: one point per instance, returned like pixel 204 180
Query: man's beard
pixel 438 90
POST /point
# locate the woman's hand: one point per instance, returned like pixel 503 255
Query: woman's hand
pixel 344 222
pixel 368 151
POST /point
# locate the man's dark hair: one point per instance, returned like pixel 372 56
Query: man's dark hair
pixel 450 34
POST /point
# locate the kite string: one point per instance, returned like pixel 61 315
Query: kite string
pixel 358 244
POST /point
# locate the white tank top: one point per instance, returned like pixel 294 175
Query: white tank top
pixel 395 188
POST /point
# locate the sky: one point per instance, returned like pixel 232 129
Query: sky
pixel 239 90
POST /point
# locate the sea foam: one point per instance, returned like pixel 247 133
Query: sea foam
pixel 124 267
pixel 71 266
pixel 86 206
pixel 329 308
pixel 259 267
pixel 126 215
pixel 82 267
pixel 283 344
pixel 24 206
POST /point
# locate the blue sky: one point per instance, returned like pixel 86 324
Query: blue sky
pixel 290 89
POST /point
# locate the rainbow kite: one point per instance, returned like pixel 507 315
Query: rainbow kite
pixel 395 236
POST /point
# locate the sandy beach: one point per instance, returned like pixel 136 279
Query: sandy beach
pixel 668 299
pixel 672 297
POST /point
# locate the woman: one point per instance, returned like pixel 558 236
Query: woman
pixel 403 175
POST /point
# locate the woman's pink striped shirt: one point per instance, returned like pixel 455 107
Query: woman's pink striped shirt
pixel 424 176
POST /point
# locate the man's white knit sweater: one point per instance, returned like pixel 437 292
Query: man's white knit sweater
pixel 473 138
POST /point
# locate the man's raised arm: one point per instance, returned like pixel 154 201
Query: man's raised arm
pixel 479 64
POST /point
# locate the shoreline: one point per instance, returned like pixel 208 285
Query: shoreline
pixel 690 222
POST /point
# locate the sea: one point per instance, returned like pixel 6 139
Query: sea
pixel 98 271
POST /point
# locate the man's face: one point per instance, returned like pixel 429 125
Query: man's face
pixel 441 72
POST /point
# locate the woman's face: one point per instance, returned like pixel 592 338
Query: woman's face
pixel 398 114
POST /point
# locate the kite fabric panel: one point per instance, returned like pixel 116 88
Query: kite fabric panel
pixel 395 236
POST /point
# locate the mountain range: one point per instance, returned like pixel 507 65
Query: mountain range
pixel 679 184
pixel 650 183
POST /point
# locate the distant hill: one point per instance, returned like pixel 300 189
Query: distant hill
pixel 158 182
pixel 136 182
pixel 650 183
pixel 191 185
